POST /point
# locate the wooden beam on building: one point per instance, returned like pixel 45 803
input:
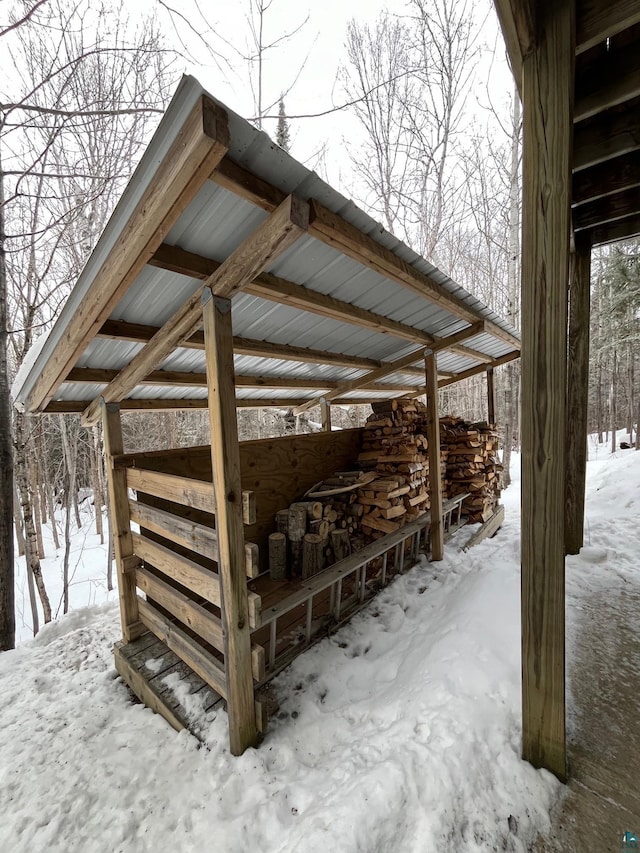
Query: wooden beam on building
pixel 325 414
pixel 481 368
pixel 608 178
pixel 398 365
pixel 225 460
pixel 274 236
pixel 517 22
pixel 577 393
pixel 491 396
pixel 607 135
pixel 548 86
pixel 607 78
pixel 607 209
pixel 120 520
pixel 433 450
pixel 621 229
pixel 201 143
pixel 333 230
pixel 598 20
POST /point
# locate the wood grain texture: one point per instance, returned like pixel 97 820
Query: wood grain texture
pixel 607 77
pixel 612 176
pixel 274 236
pixel 577 394
pixel 225 464
pixel 621 229
pixel 433 450
pixel 607 209
pixel 607 135
pixel 200 145
pixel 119 518
pixel 597 20
pixel 491 396
pixel 547 134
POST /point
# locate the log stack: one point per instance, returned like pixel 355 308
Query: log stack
pixel 395 447
pixel 472 465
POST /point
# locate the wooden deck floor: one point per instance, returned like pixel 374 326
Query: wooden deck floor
pixel 602 799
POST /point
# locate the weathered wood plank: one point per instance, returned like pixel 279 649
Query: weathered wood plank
pixel 141 688
pixel 577 394
pixel 491 396
pixel 194 493
pixel 433 450
pixel 119 512
pixel 187 573
pixel 611 78
pixel 607 178
pixel 225 463
pixel 607 209
pixel 607 135
pixel 486 530
pixel 193 615
pixel 200 661
pixel 274 236
pixel 621 229
pixel 548 75
pixel 597 20
pixel 199 146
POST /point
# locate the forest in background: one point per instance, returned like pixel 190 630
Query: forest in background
pixel 84 87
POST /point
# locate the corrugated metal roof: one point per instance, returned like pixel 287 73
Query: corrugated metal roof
pixel 213 225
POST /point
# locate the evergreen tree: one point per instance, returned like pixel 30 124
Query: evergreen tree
pixel 283 137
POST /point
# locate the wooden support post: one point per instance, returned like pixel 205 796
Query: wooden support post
pixel 121 523
pixel 577 393
pixel 325 413
pixel 548 84
pixel 491 397
pixel 433 437
pixel 225 460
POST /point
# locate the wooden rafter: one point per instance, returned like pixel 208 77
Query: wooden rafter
pixel 621 229
pixel 598 20
pixel 202 142
pixel 607 135
pixel 607 209
pixel 606 78
pixel 365 381
pixel 607 178
pixel 271 238
pixel 333 230
pixel 139 333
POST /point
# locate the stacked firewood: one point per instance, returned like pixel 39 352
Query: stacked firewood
pixel 472 465
pixel 316 532
pixel 395 447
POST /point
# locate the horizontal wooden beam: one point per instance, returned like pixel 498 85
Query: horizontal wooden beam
pixel 607 209
pixel 610 78
pixel 481 368
pixel 139 333
pixel 621 229
pixel 607 178
pixel 607 135
pixel 99 376
pixel 398 365
pixel 201 142
pixel 333 230
pixel 598 20
pixel 274 236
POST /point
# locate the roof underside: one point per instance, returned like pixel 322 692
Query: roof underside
pixel 606 143
pixel 348 315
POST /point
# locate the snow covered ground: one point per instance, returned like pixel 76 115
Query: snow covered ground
pixel 399 733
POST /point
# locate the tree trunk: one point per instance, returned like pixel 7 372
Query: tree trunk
pixel 35 501
pixel 7 588
pixel 70 457
pixel 96 462
pixel 17 520
pixel 612 403
pixel 31 544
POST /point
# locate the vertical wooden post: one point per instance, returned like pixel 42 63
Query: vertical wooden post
pixel 548 83
pixel 225 459
pixel 577 393
pixel 433 437
pixel 121 523
pixel 491 397
pixel 325 413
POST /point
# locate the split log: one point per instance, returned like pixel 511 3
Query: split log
pixel 340 544
pixel 278 556
pixel 297 530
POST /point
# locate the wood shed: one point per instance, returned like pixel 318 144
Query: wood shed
pixel 230 276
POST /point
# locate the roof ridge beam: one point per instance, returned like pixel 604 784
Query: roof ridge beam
pixel 274 236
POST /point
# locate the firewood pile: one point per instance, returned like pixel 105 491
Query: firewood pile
pixel 319 530
pixel 395 447
pixel 472 465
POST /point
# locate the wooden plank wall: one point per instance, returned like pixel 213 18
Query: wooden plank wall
pixel 278 470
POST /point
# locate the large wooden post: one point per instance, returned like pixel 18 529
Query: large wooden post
pixel 577 393
pixel 491 396
pixel 325 414
pixel 547 88
pixel 433 437
pixel 225 458
pixel 121 523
